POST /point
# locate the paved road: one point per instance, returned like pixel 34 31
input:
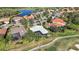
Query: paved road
pixel 52 42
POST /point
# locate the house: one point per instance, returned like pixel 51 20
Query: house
pixel 5 26
pixel 40 21
pixel 3 32
pixel 29 17
pixel 27 14
pixel 36 22
pixel 5 20
pixel 39 29
pixel 57 24
pixel 16 19
pixel 56 14
pixel 18 32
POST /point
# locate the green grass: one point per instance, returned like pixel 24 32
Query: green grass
pixel 63 44
pixel 31 36
pixel 65 33
pixel 2 44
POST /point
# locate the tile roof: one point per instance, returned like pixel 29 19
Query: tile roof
pixel 58 22
pixel 3 31
pixel 29 17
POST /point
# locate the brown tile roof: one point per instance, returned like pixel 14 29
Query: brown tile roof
pixel 3 31
pixel 29 17
pixel 58 22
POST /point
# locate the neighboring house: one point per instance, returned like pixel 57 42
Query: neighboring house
pixel 5 20
pixel 4 26
pixel 16 19
pixel 39 21
pixel 29 17
pixel 3 32
pixel 43 20
pixel 56 24
pixel 39 29
pixel 56 14
pixel 27 14
pixel 18 32
pixel 36 22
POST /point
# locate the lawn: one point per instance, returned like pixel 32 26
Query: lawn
pixel 63 44
pixel 65 33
